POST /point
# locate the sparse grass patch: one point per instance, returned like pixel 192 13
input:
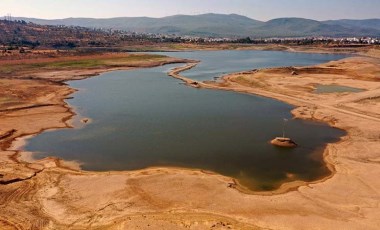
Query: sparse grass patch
pixel 110 60
pixel 74 64
pixel 248 82
pixel 132 59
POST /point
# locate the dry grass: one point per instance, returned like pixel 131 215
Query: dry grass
pixel 9 67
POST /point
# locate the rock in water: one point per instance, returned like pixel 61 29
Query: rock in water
pixel 283 142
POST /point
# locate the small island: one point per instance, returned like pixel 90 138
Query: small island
pixel 284 142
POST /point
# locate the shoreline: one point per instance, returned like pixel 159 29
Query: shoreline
pixel 52 167
pixel 54 77
pixel 27 157
pixel 286 186
pixel 321 49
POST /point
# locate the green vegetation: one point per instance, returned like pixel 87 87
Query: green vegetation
pixel 72 64
pixel 80 62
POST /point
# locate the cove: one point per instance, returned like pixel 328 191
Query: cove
pixel 144 118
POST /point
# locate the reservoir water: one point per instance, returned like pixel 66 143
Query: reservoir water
pixel 144 118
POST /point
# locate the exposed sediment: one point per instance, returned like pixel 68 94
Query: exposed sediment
pixel 283 142
pixel 49 195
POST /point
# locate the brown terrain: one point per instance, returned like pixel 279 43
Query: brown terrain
pixel 52 194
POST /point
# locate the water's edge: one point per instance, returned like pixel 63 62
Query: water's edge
pixel 287 186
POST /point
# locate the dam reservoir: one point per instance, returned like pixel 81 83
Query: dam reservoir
pixel 144 118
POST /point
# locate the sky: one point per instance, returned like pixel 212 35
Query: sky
pixel 257 9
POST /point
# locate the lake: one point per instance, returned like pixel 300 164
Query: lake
pixel 144 118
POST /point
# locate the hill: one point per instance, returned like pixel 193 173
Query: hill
pixel 201 25
pixel 367 23
pixel 221 25
pixel 299 27
pixel 21 33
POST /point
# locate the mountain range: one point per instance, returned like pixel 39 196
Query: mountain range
pixel 223 25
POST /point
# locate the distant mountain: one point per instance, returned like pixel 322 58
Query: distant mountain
pixel 200 25
pixel 366 23
pixel 299 27
pixel 221 25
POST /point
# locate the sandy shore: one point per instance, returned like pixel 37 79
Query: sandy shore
pixel 46 194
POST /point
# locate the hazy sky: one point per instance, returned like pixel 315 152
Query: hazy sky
pixel 257 9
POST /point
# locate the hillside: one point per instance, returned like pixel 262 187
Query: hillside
pixel 202 25
pixel 367 23
pixel 30 34
pixel 220 25
pixel 299 27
